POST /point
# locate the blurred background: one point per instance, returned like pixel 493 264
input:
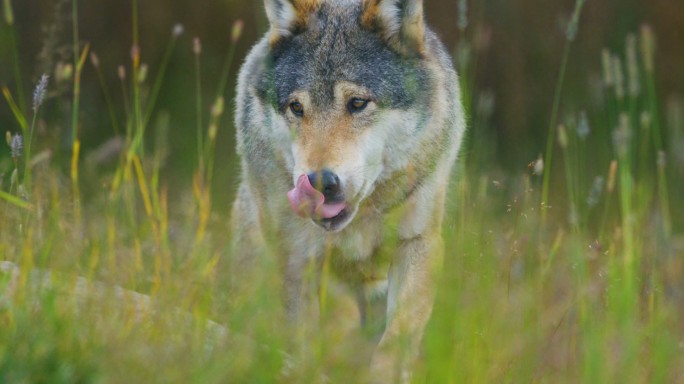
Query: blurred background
pixel 512 50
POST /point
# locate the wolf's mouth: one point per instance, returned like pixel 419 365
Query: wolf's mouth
pixel 335 223
pixel 306 201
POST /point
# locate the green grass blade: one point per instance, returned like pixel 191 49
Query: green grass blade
pixel 16 111
pixel 17 202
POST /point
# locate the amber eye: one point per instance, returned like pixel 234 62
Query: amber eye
pixel 357 105
pixel 297 108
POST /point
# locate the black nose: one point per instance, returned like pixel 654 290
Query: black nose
pixel 327 183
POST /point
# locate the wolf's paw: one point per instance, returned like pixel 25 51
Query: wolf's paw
pixel 385 368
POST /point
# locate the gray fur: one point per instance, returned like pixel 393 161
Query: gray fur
pixel 414 132
pixel 335 48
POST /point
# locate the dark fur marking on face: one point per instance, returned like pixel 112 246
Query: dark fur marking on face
pixel 331 50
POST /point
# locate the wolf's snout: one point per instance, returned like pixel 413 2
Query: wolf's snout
pixel 323 202
pixel 327 183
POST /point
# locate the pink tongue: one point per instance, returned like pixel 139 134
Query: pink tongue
pixel 306 201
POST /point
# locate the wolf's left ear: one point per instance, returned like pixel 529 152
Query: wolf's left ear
pixel 401 23
pixel 288 17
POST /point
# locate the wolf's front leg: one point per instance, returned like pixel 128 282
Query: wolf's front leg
pixel 411 293
pixel 300 265
pixel 300 275
pixel 302 310
pixel 412 284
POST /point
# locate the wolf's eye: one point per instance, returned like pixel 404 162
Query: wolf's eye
pixel 357 105
pixel 297 108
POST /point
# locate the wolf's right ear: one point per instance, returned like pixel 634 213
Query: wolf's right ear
pixel 400 22
pixel 287 17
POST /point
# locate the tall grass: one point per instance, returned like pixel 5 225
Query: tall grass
pixel 8 12
pixel 570 35
pixel 117 284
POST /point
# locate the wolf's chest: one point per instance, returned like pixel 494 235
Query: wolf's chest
pixel 360 261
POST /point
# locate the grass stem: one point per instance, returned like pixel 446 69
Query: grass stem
pixel 663 193
pixel 570 35
pixel 138 145
pixel 197 50
pixel 18 78
pixel 159 78
pixel 76 47
pixel 107 95
pixel 552 135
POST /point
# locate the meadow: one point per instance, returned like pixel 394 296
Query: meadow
pixel 115 264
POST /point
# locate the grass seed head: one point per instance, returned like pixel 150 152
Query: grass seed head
pixel 462 22
pixel 612 173
pixel 9 14
pixel 39 92
pixel 135 55
pixel 63 72
pixel 607 62
pixel 596 191
pixel 647 47
pixel 218 107
pixel 177 30
pixel 17 146
pixel 622 136
pixel 142 73
pixel 618 78
pixel 121 71
pixel 236 31
pixel 94 59
pixel 632 65
pixel 213 131
pixel 538 166
pixel 583 129
pixel 571 32
pixel 196 46
pixel 562 136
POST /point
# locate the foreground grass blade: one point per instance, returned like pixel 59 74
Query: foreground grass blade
pixel 17 202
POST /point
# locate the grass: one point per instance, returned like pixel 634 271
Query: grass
pixel 585 290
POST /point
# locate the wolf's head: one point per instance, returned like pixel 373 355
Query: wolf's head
pixel 349 87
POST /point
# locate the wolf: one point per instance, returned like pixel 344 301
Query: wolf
pixel 347 111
